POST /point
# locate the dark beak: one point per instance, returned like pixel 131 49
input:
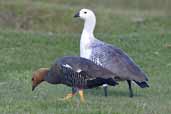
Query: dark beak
pixel 33 87
pixel 77 15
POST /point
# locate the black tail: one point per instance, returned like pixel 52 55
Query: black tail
pixel 111 82
pixel 142 84
pixel 100 81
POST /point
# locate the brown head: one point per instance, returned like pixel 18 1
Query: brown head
pixel 38 77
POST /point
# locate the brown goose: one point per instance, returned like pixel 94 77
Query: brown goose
pixel 76 72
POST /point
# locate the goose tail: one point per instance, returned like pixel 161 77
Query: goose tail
pixel 142 84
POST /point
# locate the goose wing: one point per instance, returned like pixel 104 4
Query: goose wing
pixel 85 66
pixel 115 60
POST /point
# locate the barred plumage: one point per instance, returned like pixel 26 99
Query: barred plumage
pixel 72 78
pixel 108 56
pixel 79 72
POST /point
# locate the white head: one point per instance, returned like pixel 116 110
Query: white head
pixel 89 17
pixel 85 14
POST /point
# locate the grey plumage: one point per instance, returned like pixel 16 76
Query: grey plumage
pixel 115 60
pixel 118 62
pixel 79 73
pixel 108 56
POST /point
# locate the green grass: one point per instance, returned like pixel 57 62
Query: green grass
pixel 34 33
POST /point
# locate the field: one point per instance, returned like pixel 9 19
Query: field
pixel 33 33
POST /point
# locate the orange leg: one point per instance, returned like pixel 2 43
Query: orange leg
pixel 68 96
pixel 81 95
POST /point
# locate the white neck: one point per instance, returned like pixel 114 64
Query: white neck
pixel 87 37
pixel 89 26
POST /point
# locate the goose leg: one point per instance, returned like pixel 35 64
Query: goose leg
pixel 70 95
pixel 81 95
pixel 105 90
pixel 130 88
pixel 74 90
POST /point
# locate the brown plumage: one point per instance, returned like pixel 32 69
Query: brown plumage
pixel 38 76
pixel 76 72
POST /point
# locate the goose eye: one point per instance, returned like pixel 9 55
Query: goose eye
pixel 85 12
pixel 32 79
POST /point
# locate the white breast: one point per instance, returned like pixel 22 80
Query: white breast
pixel 86 53
pixel 85 49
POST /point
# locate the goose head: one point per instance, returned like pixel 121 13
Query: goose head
pixel 38 77
pixel 89 20
pixel 85 14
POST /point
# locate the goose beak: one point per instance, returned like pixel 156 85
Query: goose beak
pixel 77 15
pixel 33 87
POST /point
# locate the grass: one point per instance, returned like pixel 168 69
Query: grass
pixel 34 33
